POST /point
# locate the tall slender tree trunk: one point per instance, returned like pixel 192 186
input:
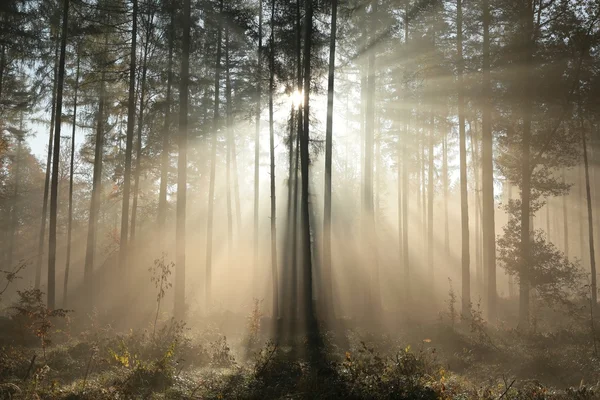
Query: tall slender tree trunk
pixel 405 182
pixel 309 311
pixel 42 235
pixel 257 141
pixel 55 161
pixel 164 169
pixel 213 161
pixel 96 191
pixel 464 205
pixel 14 214
pixel 373 294
pixel 430 194
pixel 446 197
pixel 581 218
pixel 274 274
pixel 138 145
pixel 123 250
pixel 487 172
pixel 71 173
pixel 328 283
pixel 565 219
pixel 524 275
pixel 180 235
pixel 594 287
pixel 229 133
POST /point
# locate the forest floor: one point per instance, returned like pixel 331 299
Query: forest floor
pixel 445 358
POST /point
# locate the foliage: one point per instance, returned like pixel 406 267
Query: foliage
pixel 37 317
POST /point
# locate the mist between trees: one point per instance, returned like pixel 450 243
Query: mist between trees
pixel 339 161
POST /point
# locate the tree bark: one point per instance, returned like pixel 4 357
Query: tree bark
pixel 71 171
pixel 55 161
pixel 464 205
pixel 594 287
pixel 274 274
pixel 138 145
pixel 129 141
pixel 257 142
pixel 487 172
pixel 164 170
pixel 180 235
pixel 309 312
pixel 328 284
pixel 40 253
pixel 213 162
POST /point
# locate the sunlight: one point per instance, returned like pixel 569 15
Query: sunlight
pixel 297 98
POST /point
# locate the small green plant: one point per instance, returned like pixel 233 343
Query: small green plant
pixel 253 321
pixel 31 307
pixel 161 271
pixel 452 314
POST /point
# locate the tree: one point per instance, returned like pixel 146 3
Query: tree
pixel 180 234
pixel 55 159
pixel 328 156
pixel 129 141
pixel 464 205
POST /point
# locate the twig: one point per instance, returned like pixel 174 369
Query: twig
pixel 30 367
pixel 507 388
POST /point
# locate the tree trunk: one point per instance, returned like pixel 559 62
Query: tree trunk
pixel 430 194
pixel 565 219
pixel 70 218
pixel 257 142
pixel 96 191
pixel 213 162
pixel 14 214
pixel 129 141
pixel 40 253
pixel 487 172
pixel 55 161
pixel 164 169
pixel 328 284
pixel 524 283
pixel 229 133
pixel 274 274
pixel 464 205
pixel 594 287
pixel 405 182
pixel 309 312
pixel 445 184
pixel 138 146
pixel 180 235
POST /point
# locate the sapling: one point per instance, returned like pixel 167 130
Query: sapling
pixel 160 276
pixel 32 307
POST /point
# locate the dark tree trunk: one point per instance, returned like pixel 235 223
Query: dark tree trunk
pixel 257 143
pixel 55 161
pixel 180 235
pixel 274 274
pixel 123 250
pixel 464 205
pixel 71 171
pixel 138 145
pixel 213 161
pixel 309 312
pixel 42 235
pixel 594 287
pixel 328 284
pixel 524 283
pixel 229 133
pixel 164 170
pixel 96 190
pixel 487 172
